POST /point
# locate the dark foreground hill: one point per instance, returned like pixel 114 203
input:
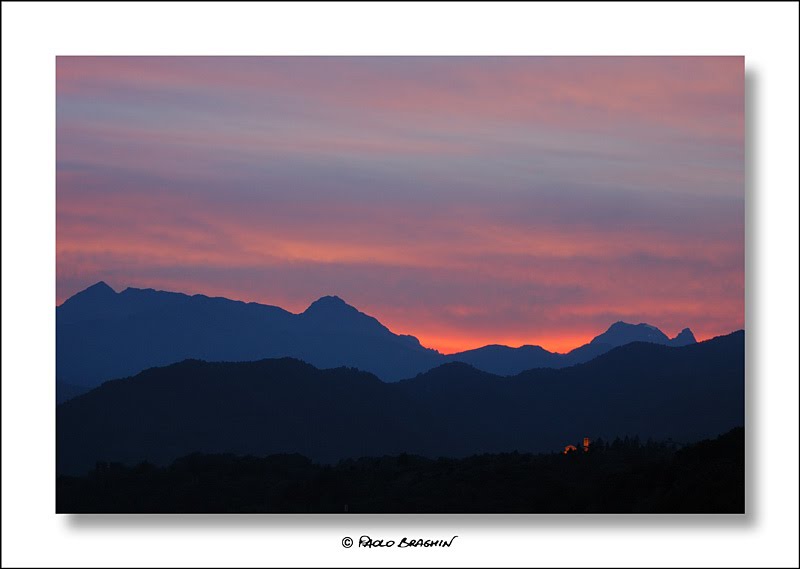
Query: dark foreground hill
pixel 624 476
pixel 102 334
pixel 286 406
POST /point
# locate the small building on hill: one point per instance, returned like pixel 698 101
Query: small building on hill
pixel 572 448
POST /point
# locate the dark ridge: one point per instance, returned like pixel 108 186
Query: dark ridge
pixel 622 475
pixel 101 335
pixel 285 405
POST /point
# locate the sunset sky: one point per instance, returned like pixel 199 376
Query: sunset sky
pixel 467 201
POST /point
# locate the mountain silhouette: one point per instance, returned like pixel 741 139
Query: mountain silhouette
pixel 502 360
pixel 102 334
pixel 285 406
pixel 330 309
pixel 684 338
pixel 621 333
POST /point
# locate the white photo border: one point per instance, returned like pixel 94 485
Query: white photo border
pixel 34 33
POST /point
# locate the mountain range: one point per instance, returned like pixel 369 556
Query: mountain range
pixel 102 334
pixel 285 405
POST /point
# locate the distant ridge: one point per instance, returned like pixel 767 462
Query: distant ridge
pixel 503 360
pixel 102 334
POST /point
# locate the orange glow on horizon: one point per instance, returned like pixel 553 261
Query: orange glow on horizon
pixel 557 343
pixel 451 344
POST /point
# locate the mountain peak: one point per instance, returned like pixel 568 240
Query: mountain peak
pixel 684 338
pixel 622 325
pixel 99 294
pixel 328 300
pixel 100 287
pixel 330 305
pixel 98 290
pixel 621 333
